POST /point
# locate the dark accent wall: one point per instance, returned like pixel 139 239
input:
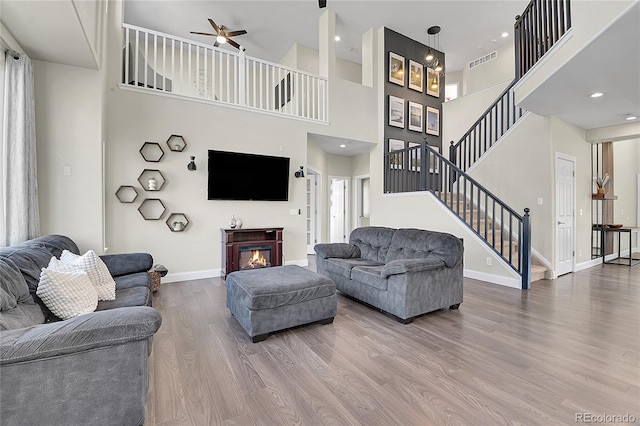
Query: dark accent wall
pixel 416 51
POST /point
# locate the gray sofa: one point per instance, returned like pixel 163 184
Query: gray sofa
pixel 405 272
pixel 88 370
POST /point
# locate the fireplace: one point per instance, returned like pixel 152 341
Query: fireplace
pixel 254 248
pixel 254 257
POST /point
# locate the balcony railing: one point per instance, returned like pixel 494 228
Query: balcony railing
pixel 539 27
pixel 161 62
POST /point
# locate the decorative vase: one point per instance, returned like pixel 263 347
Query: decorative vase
pixel 601 191
pixel 153 184
pixel 238 223
pixel 178 226
pixel 233 223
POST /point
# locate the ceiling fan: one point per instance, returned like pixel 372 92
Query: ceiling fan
pixel 222 35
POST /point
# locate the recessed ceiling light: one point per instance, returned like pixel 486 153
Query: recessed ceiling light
pixel 337 38
pixel 343 146
pixel 596 94
pixel 631 117
pixel 505 34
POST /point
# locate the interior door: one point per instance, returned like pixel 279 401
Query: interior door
pixel 363 201
pixel 338 209
pixel 565 200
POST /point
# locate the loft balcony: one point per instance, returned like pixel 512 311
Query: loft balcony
pixel 163 64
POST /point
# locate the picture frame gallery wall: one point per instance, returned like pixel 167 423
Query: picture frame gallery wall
pixel 411 102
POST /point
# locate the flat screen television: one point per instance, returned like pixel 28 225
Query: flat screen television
pixel 239 176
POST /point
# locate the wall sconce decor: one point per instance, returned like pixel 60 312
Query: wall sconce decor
pixel 192 165
pixel 299 173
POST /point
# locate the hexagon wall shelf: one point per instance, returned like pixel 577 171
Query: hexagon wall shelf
pixel 177 222
pixel 152 209
pixel 148 174
pixel 152 152
pixel 176 143
pixel 127 194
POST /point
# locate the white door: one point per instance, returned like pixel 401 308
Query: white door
pixel 565 206
pixel 312 212
pixel 338 209
pixel 362 199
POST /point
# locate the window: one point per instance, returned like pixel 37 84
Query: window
pixel 450 91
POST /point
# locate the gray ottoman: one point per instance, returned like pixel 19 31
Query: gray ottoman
pixel 272 299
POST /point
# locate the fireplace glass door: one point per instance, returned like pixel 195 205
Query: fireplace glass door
pixel 254 257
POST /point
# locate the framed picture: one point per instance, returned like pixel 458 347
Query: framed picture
pixel 433 82
pixel 433 121
pixel 396 69
pixel 414 157
pixel 415 75
pixel 395 160
pixel 415 116
pixel 434 166
pixel 396 112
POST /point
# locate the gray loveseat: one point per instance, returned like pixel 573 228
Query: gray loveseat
pixel 405 272
pixel 88 370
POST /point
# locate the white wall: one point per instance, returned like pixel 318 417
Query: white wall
pixel 69 134
pixel 490 73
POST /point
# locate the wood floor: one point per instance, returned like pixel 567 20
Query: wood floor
pixel 505 357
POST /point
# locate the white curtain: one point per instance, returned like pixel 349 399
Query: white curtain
pixel 19 164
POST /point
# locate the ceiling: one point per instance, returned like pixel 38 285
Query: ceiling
pixel 274 26
pixel 340 146
pixel 610 64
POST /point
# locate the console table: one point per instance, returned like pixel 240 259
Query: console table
pixel 234 241
pixel 625 261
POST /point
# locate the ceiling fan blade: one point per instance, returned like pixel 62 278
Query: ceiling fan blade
pixel 235 33
pixel 233 43
pixel 322 3
pixel 207 34
pixel 215 27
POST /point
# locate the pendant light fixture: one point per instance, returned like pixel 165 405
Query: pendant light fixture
pixel 431 58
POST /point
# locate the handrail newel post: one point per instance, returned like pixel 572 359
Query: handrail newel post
pixel 525 250
pixel 424 164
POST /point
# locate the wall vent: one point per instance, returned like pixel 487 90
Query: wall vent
pixel 489 57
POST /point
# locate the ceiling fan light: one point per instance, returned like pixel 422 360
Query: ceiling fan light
pixel 221 39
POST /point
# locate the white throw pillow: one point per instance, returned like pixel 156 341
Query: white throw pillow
pixel 97 271
pixel 67 294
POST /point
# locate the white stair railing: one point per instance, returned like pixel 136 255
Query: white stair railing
pixel 161 62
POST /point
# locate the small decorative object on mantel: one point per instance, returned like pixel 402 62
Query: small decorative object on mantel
pixel 235 223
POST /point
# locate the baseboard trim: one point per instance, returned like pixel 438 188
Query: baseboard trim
pixel 588 264
pixel 494 279
pixel 192 275
pixel 304 262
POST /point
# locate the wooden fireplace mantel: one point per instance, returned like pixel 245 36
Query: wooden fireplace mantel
pixel 235 239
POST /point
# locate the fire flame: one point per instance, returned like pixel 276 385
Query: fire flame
pixel 257 260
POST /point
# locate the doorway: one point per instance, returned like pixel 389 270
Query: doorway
pixel 362 200
pixel 565 207
pixel 313 206
pixel 338 209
